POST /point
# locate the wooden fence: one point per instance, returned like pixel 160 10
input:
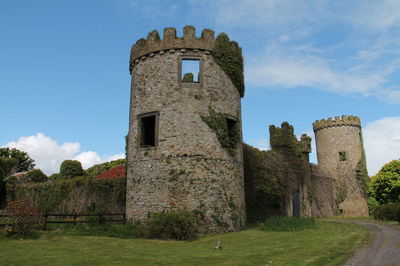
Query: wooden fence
pixel 102 218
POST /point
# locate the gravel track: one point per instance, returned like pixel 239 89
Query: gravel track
pixel 384 249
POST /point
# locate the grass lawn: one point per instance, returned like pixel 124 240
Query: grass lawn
pixel 329 244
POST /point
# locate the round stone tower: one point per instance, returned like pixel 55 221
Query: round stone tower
pixel 341 156
pixel 184 146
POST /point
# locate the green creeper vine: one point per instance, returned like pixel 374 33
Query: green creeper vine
pixel 218 122
pixel 228 55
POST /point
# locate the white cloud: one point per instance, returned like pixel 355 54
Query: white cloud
pixel 382 142
pixel 48 154
pixel 262 144
pixel 359 57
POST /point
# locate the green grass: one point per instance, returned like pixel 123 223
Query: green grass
pixel 328 244
pixel 287 224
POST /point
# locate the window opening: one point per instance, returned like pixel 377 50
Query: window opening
pixel 342 156
pixel 190 70
pixel 148 131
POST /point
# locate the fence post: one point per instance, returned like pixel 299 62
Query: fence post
pixel 124 218
pixel 74 219
pixel 45 222
pixel 100 218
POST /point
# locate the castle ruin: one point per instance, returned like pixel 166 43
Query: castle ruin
pixel 185 150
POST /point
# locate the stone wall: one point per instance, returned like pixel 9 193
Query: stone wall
pixel 322 194
pixel 158 177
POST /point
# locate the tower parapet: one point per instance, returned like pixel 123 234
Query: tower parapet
pixel 171 42
pixel 352 121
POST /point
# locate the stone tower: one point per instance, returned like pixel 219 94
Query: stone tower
pixel 185 138
pixel 341 156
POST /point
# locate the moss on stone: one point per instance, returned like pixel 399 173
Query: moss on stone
pixel 228 55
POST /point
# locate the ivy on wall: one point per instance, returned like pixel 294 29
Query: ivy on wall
pixel 361 171
pixel 228 55
pixel 63 195
pixel 219 123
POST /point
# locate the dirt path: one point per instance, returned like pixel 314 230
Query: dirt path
pixel 384 250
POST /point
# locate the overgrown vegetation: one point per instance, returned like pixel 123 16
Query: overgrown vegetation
pixel 179 225
pixel 70 169
pixel 22 218
pixel 36 176
pixel 362 176
pixel 188 78
pixel 285 224
pixel 372 206
pixel 262 175
pixel 228 133
pixel 341 194
pixel 385 185
pixel 389 211
pixel 64 195
pixel 272 176
pixel 104 167
pixel 228 55
pixel 25 163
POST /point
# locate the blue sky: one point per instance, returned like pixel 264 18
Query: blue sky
pixel 64 79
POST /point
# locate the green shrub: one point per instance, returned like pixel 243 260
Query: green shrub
pixel 22 218
pixel 70 169
pixel 389 211
pixel 36 176
pixel 179 225
pixel 372 205
pixel 283 223
pixel 54 177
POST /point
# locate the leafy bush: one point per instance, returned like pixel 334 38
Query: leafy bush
pixel 70 169
pixel 22 218
pixel 372 205
pixel 283 223
pixel 179 225
pixel 385 185
pixel 36 175
pixel 389 211
pixel 54 177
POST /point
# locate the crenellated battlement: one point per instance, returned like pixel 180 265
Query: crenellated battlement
pixel 337 122
pixel 171 42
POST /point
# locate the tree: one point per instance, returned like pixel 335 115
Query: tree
pixel 70 169
pixel 25 163
pixel 7 167
pixel 36 175
pixel 385 185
